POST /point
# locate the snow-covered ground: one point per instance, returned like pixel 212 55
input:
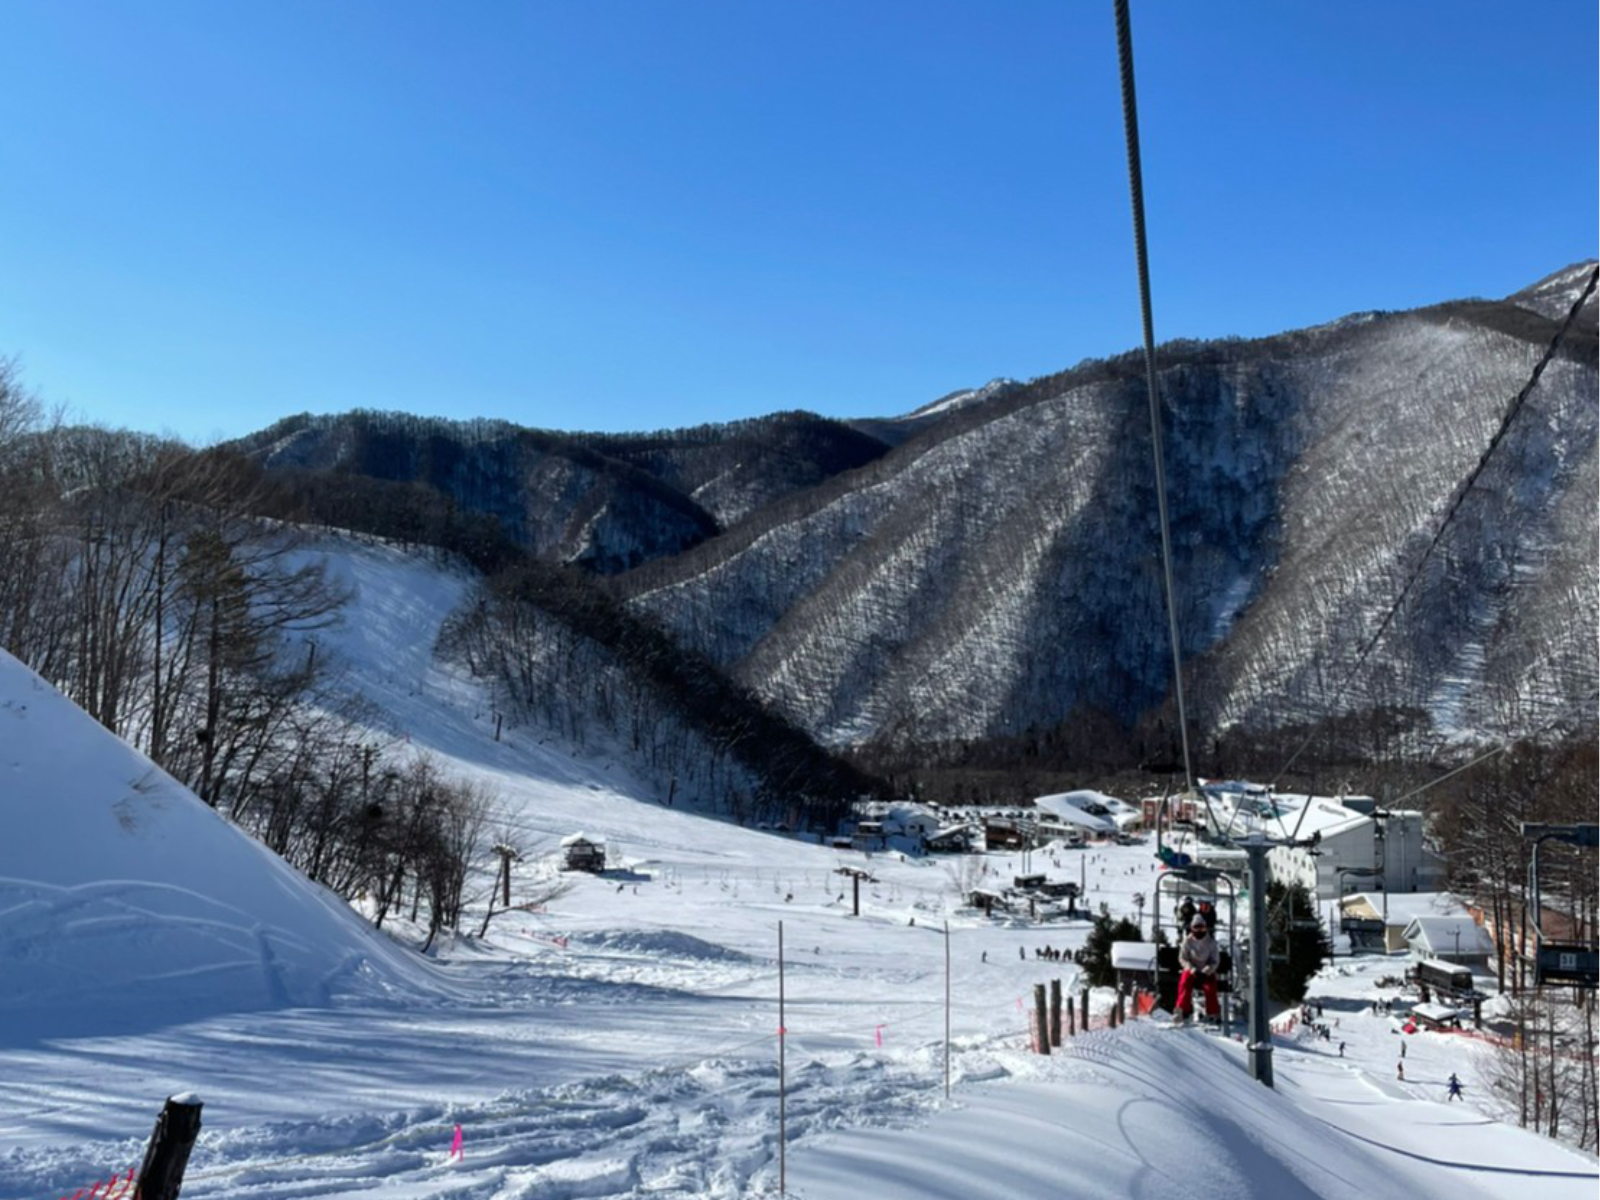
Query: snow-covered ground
pixel 621 1039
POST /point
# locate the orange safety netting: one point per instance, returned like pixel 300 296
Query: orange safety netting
pixel 121 1186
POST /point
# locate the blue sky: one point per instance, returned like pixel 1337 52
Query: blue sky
pixel 598 214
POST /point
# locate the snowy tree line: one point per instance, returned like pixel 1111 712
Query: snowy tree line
pixel 566 657
pixel 1548 1074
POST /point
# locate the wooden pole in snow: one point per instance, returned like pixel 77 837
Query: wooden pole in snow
pixel 168 1153
pixel 1041 1018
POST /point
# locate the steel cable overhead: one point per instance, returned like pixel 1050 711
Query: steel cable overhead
pixel 1130 125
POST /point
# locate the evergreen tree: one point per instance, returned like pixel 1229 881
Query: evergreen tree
pixel 1097 968
pixel 1297 944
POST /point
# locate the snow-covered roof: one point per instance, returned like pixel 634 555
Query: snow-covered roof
pixel 1070 808
pixel 1277 813
pixel 1437 1012
pixel 1438 935
pixel 573 839
pixel 1218 787
pixel 1405 907
pixel 1133 956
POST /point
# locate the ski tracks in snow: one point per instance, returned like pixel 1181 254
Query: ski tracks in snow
pixel 709 1129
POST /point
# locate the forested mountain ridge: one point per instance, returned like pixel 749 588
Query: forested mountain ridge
pixel 604 502
pixel 998 571
pixel 554 496
pixel 742 466
pixel 987 567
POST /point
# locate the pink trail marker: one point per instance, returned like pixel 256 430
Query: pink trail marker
pixel 455 1146
pixel 878 1033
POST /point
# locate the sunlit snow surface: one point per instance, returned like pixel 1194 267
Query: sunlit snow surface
pixel 624 1041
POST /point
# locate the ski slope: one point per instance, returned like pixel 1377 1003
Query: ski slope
pixel 126 902
pixel 620 1037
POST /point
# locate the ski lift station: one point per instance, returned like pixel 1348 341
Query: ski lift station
pixel 1357 845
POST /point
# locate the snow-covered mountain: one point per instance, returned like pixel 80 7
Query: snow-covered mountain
pixel 995 574
pixel 604 502
pixel 998 572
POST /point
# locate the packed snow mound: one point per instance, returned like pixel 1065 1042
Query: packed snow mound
pixel 661 943
pixel 126 903
pixel 1147 1111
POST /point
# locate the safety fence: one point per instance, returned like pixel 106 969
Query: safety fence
pixel 121 1186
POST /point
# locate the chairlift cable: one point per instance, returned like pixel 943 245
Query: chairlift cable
pixel 1484 757
pixel 1130 124
pixel 1516 406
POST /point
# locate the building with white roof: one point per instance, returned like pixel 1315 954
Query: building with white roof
pixel 1089 810
pixel 1354 847
pixel 1381 919
pixel 1458 940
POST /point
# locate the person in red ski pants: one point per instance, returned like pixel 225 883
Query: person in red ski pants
pixel 1199 957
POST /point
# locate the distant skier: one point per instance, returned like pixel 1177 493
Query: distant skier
pixel 1455 1088
pixel 1341 1049
pixel 1198 956
pixel 1400 1071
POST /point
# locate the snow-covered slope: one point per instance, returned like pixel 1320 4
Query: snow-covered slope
pixel 617 1037
pixel 126 903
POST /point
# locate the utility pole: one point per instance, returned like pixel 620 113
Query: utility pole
pixel 947 1010
pixel 783 1077
pixel 508 855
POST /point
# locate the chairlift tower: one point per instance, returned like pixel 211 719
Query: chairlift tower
pixel 1259 1043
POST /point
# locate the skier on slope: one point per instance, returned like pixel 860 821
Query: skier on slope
pixel 1199 957
pixel 1455 1088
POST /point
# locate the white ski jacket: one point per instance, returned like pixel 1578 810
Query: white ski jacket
pixel 1198 953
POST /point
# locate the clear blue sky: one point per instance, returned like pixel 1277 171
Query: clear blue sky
pixel 598 214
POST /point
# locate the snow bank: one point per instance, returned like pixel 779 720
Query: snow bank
pixel 128 904
pixel 662 943
pixel 1144 1111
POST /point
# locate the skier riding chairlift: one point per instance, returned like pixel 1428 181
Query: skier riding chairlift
pixel 1199 956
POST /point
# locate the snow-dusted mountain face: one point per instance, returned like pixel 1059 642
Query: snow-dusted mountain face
pixel 999 571
pixel 604 502
pixel 552 495
pixel 996 573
